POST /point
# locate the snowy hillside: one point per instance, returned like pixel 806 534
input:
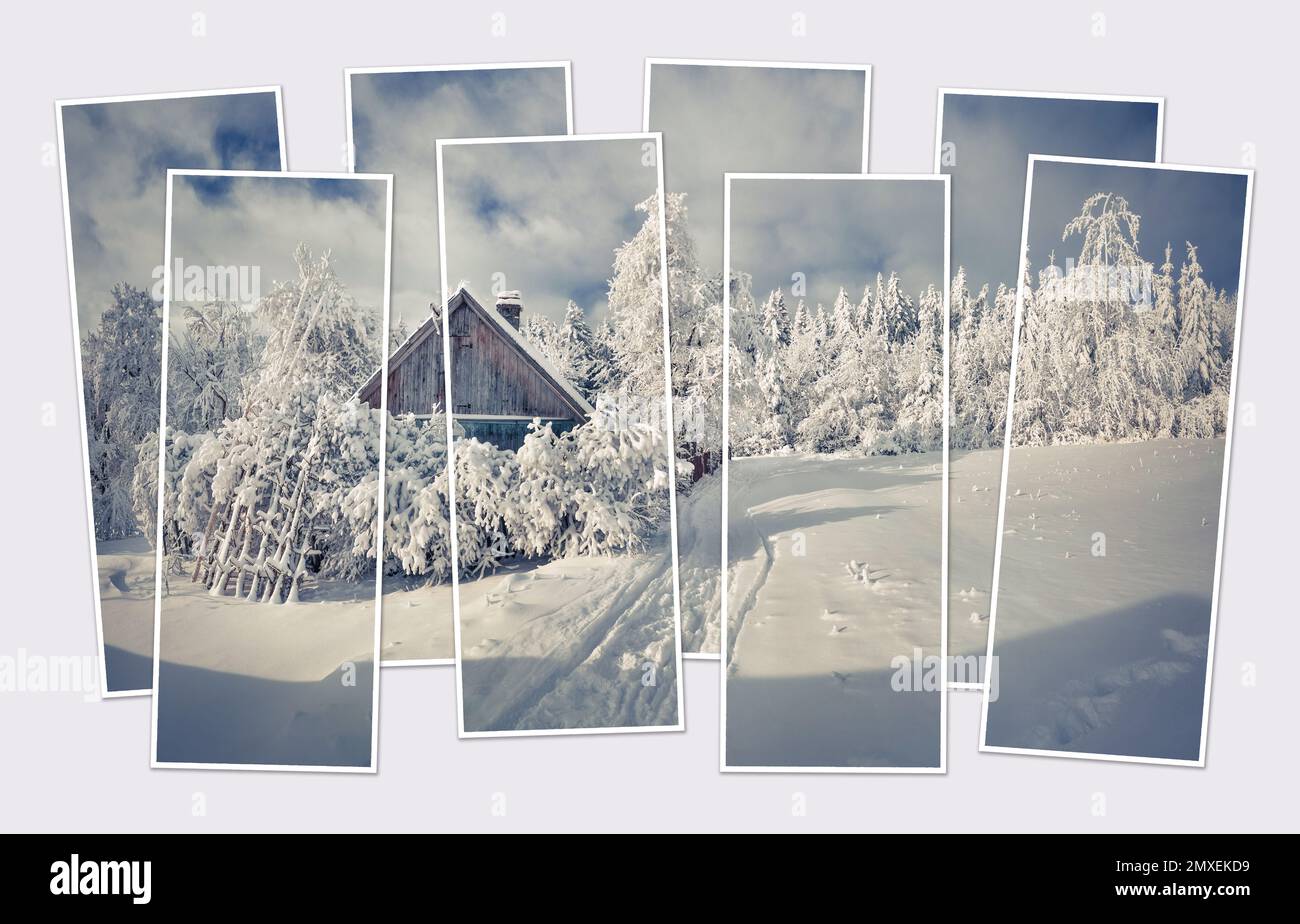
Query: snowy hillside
pixel 974 486
pixel 1106 653
pixel 262 683
pixel 583 642
pixel 699 543
pixel 417 621
pixel 834 570
pixel 126 575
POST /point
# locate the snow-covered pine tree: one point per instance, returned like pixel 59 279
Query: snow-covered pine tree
pixel 843 318
pixel 1198 339
pixel 121 365
pixel 1165 308
pixel 776 320
pixel 919 417
pixel 896 312
pixel 577 351
pixel 802 321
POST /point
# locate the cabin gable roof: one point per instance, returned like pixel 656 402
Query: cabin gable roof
pixel 432 325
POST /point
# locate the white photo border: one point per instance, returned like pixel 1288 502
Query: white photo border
pixel 944 92
pixel 59 105
pixel 680 725
pixel 723 766
pixel 790 65
pixel 1223 488
pixel 350 157
pixel 373 767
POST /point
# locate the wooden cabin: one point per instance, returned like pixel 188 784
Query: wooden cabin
pixel 499 381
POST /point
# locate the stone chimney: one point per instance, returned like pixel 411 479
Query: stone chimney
pixel 511 306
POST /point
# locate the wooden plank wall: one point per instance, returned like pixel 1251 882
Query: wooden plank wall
pixel 489 376
pixel 415 384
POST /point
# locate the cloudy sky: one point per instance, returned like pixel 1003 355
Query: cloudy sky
pixel 396 121
pixel 1177 206
pixel 751 120
pixel 992 138
pixel 117 157
pixel 838 233
pixel 548 215
pixel 258 221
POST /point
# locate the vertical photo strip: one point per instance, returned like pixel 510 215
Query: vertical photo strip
pixel 738 116
pixel 982 140
pixel 394 117
pixel 833 471
pixel 269 484
pixel 556 253
pixel 114 154
pixel 1115 467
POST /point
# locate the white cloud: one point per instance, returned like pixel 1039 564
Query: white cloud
pixel 717 119
pixel 837 233
pixel 263 219
pixel 547 215
pixel 398 118
pixel 117 156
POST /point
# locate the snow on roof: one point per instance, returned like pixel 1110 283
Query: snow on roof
pixel 522 343
pixel 528 348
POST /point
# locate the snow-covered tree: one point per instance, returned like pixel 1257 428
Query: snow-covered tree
pixel 212 349
pixel 576 351
pixel 121 365
pixel 776 319
pixel 1198 336
pixel 1104 357
pixel 636 307
pixel 290 484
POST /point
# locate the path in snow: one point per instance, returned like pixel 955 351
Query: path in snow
pixel 1106 654
pixel 126 576
pixel 417 621
pixel 257 683
pixel 571 643
pixel 834 569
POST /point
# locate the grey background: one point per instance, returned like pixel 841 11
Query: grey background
pixel 69 764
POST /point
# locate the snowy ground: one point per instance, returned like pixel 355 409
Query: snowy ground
pixel 254 683
pixel 417 621
pixel 699 544
pixel 1106 654
pixel 126 575
pixel 834 570
pixel 974 489
pixel 577 643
